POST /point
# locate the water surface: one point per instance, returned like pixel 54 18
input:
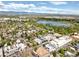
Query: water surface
pixel 54 23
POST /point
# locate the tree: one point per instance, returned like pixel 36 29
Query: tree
pixel 77 54
pixel 62 51
pixel 54 53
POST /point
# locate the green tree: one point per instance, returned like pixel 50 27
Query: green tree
pixel 54 53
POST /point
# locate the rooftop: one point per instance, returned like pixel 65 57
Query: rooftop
pixel 77 46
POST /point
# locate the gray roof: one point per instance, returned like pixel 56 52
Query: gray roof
pixel 77 46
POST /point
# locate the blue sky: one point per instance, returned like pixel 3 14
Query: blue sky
pixel 52 7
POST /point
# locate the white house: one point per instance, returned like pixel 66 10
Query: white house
pixel 57 35
pixel 39 40
pixel 50 47
pixel 77 47
pixel 49 37
pixel 69 54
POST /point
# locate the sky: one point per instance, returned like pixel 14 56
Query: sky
pixel 51 7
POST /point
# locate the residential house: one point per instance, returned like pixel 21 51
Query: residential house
pixel 69 54
pixel 49 37
pixel 77 47
pixel 39 40
pixel 75 36
pixel 73 49
pixel 57 35
pixel 50 47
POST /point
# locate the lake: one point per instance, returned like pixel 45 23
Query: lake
pixel 54 23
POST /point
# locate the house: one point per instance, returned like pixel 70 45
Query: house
pixel 75 36
pixel 42 52
pixel 77 47
pixel 50 47
pixel 57 35
pixel 54 43
pixel 32 31
pixel 19 34
pixel 20 46
pixel 39 40
pixel 69 54
pixel 18 41
pixel 73 49
pixel 49 37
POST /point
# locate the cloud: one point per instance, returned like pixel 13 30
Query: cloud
pixel 20 7
pixel 25 7
pixel 1 4
pixel 59 3
pixel 43 3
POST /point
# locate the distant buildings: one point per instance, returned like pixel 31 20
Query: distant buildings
pixel 3 19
